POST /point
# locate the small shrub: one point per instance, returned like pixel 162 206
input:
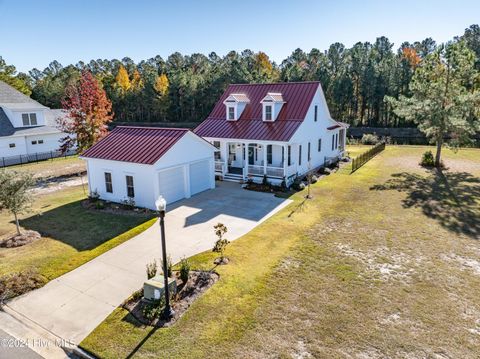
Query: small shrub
pixel 221 243
pixel 99 205
pixel 265 181
pixel 152 269
pixel 283 185
pixel 12 285
pixel 128 203
pixel 301 186
pixel 314 179
pixel 184 269
pixel 154 309
pixel 169 266
pixel 369 139
pixel 427 159
pixel 93 196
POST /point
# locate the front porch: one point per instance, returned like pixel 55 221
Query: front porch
pixel 244 160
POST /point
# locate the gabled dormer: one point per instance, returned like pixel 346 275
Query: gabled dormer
pixel 234 106
pixel 271 106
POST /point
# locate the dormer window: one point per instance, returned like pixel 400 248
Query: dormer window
pixel 272 104
pixel 235 104
pixel 231 112
pixel 29 119
pixel 268 112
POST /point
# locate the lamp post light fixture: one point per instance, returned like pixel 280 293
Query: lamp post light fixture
pixel 161 205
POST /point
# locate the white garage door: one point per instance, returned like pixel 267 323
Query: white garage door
pixel 172 184
pixel 199 176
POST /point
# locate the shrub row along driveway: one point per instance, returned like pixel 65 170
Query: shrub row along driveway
pixel 74 304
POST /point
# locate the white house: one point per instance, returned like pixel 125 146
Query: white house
pixel 280 130
pixel 26 126
pixel 145 162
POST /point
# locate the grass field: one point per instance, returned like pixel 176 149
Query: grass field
pixel 71 234
pixel 62 166
pixel 381 263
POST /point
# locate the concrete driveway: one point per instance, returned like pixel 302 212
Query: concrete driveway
pixel 71 306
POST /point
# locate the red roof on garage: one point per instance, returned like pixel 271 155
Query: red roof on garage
pixel 297 96
pixel 145 145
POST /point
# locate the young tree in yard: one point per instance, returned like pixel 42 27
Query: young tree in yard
pixel 14 196
pixel 89 112
pixel 444 99
pixel 221 243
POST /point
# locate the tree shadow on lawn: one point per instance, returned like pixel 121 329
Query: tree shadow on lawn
pixel 451 198
pixel 81 228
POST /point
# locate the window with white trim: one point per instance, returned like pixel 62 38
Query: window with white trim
pixel 11 145
pixel 270 154
pixel 300 155
pixel 108 182
pixel 289 155
pixel 34 142
pixel 315 116
pixel 319 145
pixel 130 189
pixel 333 142
pixel 268 113
pixel 29 119
pixel 40 142
pixel 308 153
pixel 231 113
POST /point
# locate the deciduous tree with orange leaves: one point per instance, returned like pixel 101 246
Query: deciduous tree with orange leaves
pixel 88 113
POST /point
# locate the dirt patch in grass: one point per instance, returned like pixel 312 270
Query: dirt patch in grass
pixel 14 284
pixel 198 282
pixel 19 240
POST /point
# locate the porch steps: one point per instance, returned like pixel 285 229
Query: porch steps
pixel 231 177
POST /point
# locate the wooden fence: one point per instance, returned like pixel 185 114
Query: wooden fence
pixel 360 160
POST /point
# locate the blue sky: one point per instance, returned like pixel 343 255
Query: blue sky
pixel 34 33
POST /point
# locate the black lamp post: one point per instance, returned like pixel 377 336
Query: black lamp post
pixel 161 205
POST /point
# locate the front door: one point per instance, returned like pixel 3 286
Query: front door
pixel 251 154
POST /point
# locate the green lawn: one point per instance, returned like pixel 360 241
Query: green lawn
pixel 71 234
pixel 62 166
pixel 384 262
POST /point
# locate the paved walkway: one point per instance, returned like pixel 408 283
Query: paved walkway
pixel 71 306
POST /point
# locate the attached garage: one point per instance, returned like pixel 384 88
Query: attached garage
pixel 147 162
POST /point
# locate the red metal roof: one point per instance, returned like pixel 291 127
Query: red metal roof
pixel 297 96
pixel 145 145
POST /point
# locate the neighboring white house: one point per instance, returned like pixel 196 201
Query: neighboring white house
pixel 280 130
pixel 145 162
pixel 26 126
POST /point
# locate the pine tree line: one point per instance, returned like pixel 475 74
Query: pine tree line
pixel 184 88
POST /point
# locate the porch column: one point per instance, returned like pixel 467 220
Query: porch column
pixel 285 159
pixel 225 155
pixel 264 148
pixel 245 158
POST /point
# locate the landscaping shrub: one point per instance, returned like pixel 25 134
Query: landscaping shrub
pixel 184 269
pixel 314 179
pixel 154 309
pixel 128 203
pixel 265 181
pixel 369 139
pixel 12 285
pixel 152 269
pixel 100 205
pixel 427 159
pixel 169 266
pixel 93 196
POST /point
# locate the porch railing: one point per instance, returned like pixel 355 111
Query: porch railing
pixel 220 166
pixel 275 172
pixel 271 171
pixel 255 170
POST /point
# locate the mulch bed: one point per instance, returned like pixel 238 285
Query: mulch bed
pixel 19 240
pixel 114 208
pixel 198 283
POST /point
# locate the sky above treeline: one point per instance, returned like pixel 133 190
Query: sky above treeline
pixel 34 33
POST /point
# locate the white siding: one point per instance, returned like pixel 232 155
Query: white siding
pixel 172 184
pixel 199 176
